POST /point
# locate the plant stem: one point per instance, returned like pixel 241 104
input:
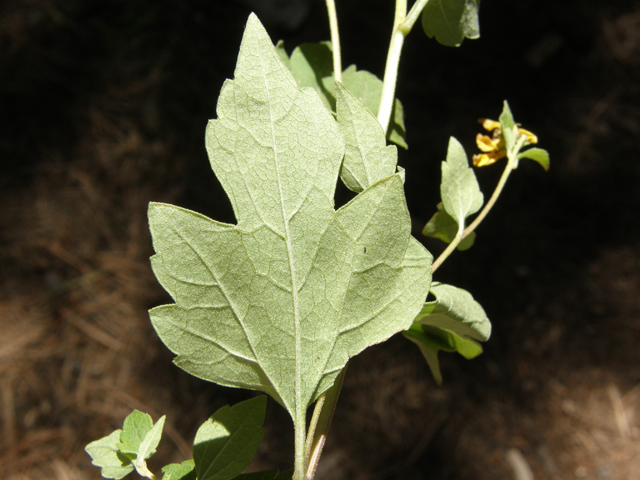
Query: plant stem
pixel 335 40
pixel 320 423
pixel 299 465
pixel 402 25
pixel 391 68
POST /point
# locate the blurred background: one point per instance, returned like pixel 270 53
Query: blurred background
pixel 103 106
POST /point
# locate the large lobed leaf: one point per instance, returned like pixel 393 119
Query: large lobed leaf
pixel 280 301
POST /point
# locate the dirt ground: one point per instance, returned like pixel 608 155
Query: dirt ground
pixel 103 106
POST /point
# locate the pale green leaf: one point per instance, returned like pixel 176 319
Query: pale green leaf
pixel 367 157
pixel 105 454
pixel 508 127
pixel 135 429
pixel 431 340
pixel 453 322
pixel 445 228
pixel 227 442
pixel 537 155
pixel 151 440
pixel 455 309
pixel 180 471
pixel 451 21
pixel 460 192
pixel 280 301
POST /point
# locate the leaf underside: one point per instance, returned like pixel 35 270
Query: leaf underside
pixel 280 301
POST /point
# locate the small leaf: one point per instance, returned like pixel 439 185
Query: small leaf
pixel 445 228
pixel 135 429
pixel 180 471
pixel 105 454
pixel 508 127
pixel 537 155
pixel 227 442
pixel 367 88
pixel 312 66
pixel 460 192
pixel 431 340
pixel 450 21
pixel 456 310
pixel 367 157
pixel 454 322
pixel 151 440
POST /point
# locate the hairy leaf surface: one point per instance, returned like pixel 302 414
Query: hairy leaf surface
pixel 280 301
pixel 460 192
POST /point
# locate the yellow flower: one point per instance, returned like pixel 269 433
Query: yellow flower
pixel 494 147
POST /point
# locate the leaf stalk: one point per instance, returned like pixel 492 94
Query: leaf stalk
pixel 335 40
pixel 402 25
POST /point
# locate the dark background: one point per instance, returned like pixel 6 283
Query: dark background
pixel 103 107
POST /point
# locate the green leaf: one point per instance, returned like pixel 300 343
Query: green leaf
pixel 460 192
pixel 431 340
pixel 312 66
pixel 105 454
pixel 227 442
pixel 135 429
pixel 268 475
pixel 450 21
pixel 444 227
pixel 280 301
pixel 367 157
pixel 180 471
pixel 367 88
pixel 148 447
pixel 508 127
pixel 453 322
pixel 537 155
pixel 282 53
pixel 456 310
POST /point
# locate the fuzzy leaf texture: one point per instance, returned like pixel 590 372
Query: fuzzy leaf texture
pixel 105 454
pixel 312 66
pixel 453 322
pixel 279 302
pixel 460 192
pixel 451 21
pixel 227 442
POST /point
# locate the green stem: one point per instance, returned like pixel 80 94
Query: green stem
pixel 511 166
pixel 402 25
pixel 391 68
pixel 335 40
pixel 320 423
pixel 299 465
